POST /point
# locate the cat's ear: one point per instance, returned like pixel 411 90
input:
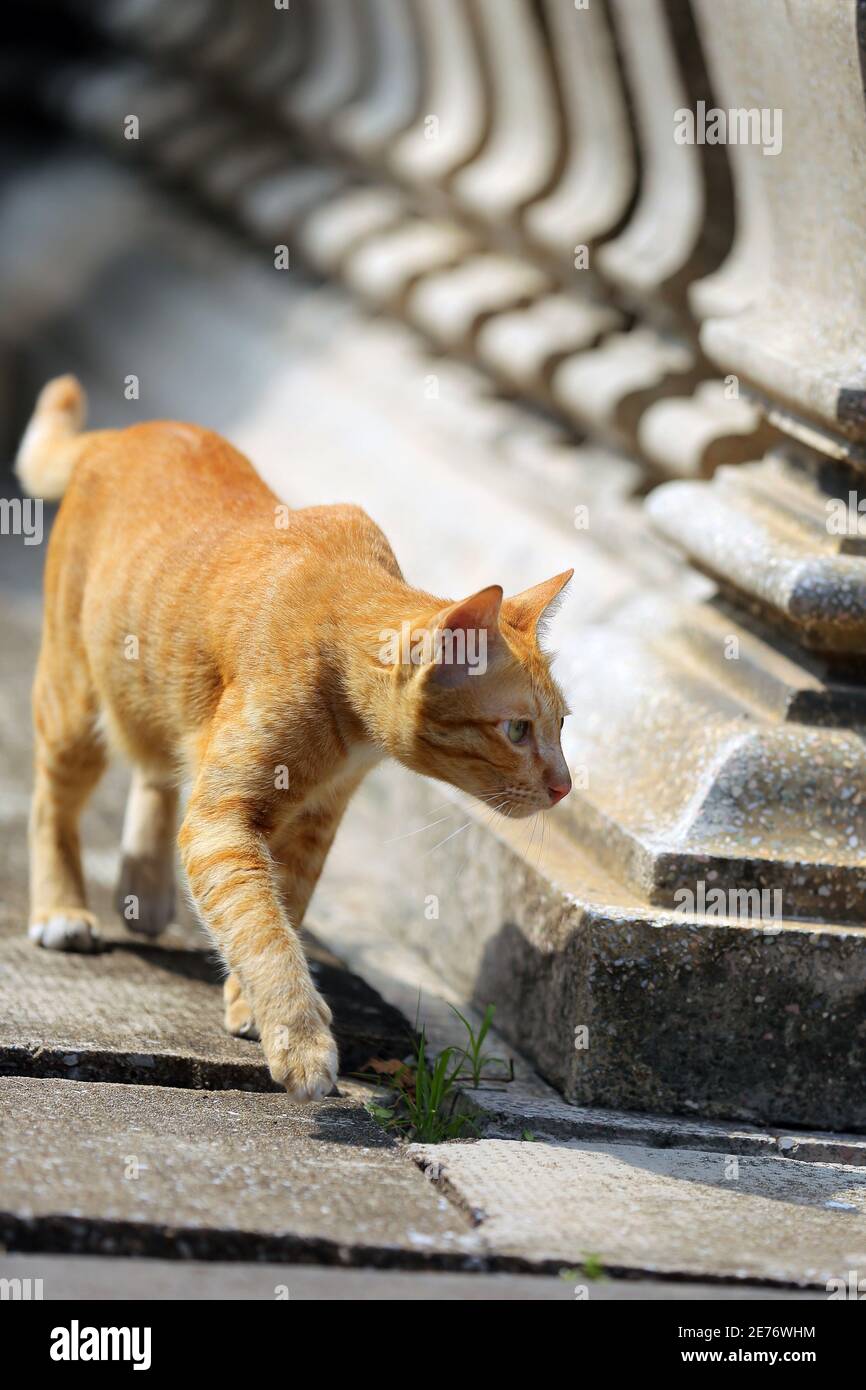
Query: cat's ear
pixel 536 606
pixel 464 636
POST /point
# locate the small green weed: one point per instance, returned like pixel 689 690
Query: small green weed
pixel 424 1095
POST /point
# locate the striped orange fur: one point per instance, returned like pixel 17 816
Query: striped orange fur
pixel 201 629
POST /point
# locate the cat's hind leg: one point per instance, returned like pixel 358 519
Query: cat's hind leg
pixel 145 888
pixel 239 1018
pixel 70 757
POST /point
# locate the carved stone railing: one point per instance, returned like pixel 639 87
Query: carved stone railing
pixel 504 176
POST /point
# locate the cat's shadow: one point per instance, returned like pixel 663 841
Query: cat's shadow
pixel 188 964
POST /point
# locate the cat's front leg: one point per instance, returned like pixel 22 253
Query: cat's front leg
pixel 299 850
pixel 231 876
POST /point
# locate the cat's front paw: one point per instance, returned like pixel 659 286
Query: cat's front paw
pixel 66 929
pixel 302 1054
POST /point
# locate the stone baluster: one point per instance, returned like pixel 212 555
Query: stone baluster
pixel 365 132
pixel 738 279
pixel 562 228
pixel 227 147
pixel 367 128
pixel 334 75
pixel 599 178
pixel 230 45
pixel 99 98
pixel 161 26
pixel 520 156
pixel 517 162
pixel 801 342
pixel 680 228
pixel 186 128
pixel 691 436
pixel 249 52
pixel 283 49
pixel 453 116
pixel 450 128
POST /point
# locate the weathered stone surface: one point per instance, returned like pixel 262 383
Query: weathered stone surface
pixel 229 1174
pixel 91 1277
pixel 525 1102
pixel 697 1213
pixel 510 1110
pixel 132 1013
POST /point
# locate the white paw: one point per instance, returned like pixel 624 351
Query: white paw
pixel 65 932
pixel 145 895
pixel 303 1061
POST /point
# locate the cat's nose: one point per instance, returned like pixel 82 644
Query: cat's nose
pixel 556 793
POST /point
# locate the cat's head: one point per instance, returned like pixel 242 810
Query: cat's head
pixel 481 709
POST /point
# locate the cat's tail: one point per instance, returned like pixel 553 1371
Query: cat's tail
pixel 52 441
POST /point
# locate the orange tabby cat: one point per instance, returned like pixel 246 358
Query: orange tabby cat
pixel 204 630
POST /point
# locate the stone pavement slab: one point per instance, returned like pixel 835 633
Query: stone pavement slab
pixel 153 1014
pixel 148 1170
pixel 659 1210
pixel 87 1277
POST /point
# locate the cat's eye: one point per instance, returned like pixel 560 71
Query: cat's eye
pixel 516 730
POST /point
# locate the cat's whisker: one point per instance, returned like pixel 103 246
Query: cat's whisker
pixel 488 813
pixel 394 838
pixel 532 828
pixel 464 826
